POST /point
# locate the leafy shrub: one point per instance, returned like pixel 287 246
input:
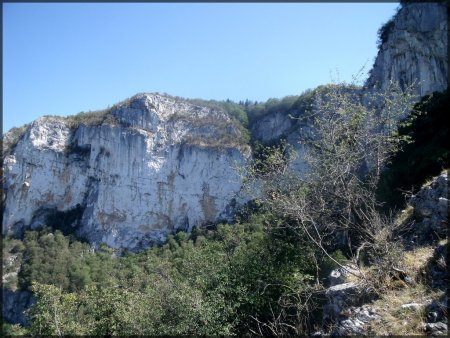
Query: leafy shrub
pixel 93 118
pixel 206 282
pixel 384 32
pixel 12 252
pixel 12 137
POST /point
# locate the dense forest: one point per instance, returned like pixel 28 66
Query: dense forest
pixel 266 272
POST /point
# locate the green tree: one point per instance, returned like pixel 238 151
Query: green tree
pixel 354 133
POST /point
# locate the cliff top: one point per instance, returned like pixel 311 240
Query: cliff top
pixel 203 123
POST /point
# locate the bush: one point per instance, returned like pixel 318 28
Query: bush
pixel 94 118
pixel 385 31
pixel 12 137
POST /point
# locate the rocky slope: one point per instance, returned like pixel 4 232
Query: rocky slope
pixel 148 166
pixel 418 303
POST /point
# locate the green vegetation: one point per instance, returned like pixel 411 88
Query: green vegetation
pixel 399 321
pixel 222 281
pixel 12 137
pixel 386 29
pixel 91 118
pixel 265 274
pixel 12 253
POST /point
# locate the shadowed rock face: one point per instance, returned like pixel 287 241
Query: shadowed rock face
pixel 415 49
pixel 14 303
pixel 163 164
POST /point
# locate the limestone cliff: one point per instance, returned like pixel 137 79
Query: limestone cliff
pixel 145 167
pixel 414 47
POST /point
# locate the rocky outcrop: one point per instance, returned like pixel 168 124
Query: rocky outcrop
pixel 158 165
pixel 437 317
pixel 414 49
pixel 430 209
pixel 272 127
pixel 349 309
pixel 345 311
pixel 356 321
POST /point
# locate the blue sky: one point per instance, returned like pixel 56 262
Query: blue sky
pixel 60 59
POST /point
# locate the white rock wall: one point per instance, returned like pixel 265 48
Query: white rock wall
pixel 139 179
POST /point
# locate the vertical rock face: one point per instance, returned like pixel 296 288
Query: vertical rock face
pixel 272 126
pixel 158 165
pixel 414 48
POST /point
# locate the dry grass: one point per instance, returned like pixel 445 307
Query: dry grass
pixel 395 320
pixel 404 216
pixel 414 261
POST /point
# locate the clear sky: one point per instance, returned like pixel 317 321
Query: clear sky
pixel 60 59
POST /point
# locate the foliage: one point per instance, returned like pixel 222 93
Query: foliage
pixel 230 280
pixel 398 320
pixel 271 160
pixel 13 330
pixel 386 29
pixel 12 252
pixel 12 137
pixel 334 206
pixel 91 118
pixel 428 153
pixel 54 257
pixel 262 275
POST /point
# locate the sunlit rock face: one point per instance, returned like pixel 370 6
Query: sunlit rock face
pixel 158 164
pixel 415 50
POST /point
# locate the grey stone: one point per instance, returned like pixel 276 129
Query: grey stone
pixel 412 306
pixel 443 205
pixel 349 327
pixel 431 208
pixel 438 328
pixel 415 50
pixel 339 275
pixel 432 316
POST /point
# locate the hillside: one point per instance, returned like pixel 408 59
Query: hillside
pixel 324 213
